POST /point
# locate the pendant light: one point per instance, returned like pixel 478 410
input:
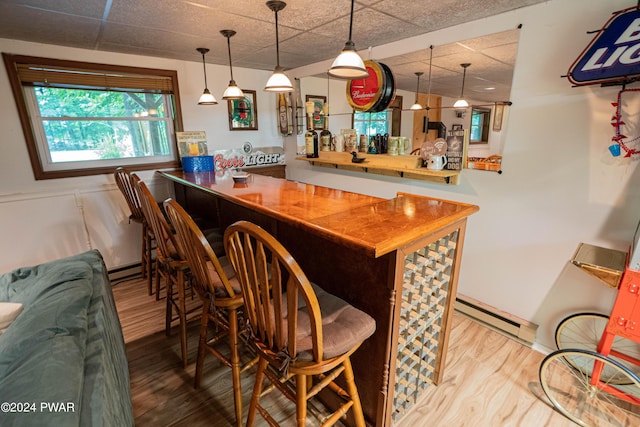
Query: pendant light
pixel 206 98
pixel 416 105
pixel 232 91
pixel 349 65
pixel 462 103
pixel 278 82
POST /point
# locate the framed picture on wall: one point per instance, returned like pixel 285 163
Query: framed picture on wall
pixel 497 117
pixel 317 117
pixel 243 113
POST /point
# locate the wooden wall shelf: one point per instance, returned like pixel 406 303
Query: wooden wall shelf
pixel 383 164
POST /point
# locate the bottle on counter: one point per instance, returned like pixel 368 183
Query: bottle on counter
pixel 325 134
pixel 311 139
pixel 363 146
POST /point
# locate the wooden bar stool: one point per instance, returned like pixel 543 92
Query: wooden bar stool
pixel 215 283
pixel 300 330
pixel 170 265
pixel 123 180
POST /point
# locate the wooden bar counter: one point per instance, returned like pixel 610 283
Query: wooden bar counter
pixel 395 259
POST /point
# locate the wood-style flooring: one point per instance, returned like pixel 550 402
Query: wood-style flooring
pixel 490 380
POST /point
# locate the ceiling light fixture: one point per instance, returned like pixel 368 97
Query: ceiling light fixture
pixel 462 103
pixel 206 98
pixel 349 65
pixel 278 82
pixel 232 91
pixel 416 105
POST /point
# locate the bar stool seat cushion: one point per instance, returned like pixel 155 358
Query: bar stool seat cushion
pixel 231 275
pixel 215 238
pixel 343 326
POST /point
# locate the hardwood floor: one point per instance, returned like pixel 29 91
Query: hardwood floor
pixel 490 380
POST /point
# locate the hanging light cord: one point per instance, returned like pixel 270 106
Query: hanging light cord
pixel 229 49
pixel 464 75
pixel 204 67
pixel 429 89
pixel 351 20
pixel 277 43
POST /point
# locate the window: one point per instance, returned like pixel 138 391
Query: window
pixel 371 123
pixel 87 119
pixel 480 118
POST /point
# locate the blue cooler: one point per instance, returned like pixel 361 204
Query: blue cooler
pixel 198 163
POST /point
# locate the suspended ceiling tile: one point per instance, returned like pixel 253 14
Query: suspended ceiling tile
pixel 35 25
pixel 85 8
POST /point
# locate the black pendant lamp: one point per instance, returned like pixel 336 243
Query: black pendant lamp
pixel 349 65
pixel 206 98
pixel 278 82
pixel 232 91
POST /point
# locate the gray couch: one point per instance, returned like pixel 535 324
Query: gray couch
pixel 62 360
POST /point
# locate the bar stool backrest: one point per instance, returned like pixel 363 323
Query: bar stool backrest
pixel 198 252
pixel 274 287
pixel 123 181
pixel 153 215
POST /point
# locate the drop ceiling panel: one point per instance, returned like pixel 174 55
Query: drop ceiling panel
pixel 309 32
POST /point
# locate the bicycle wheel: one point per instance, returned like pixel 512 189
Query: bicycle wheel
pixel 584 330
pixel 570 392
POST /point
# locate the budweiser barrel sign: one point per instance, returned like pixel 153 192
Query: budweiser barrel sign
pixel 370 93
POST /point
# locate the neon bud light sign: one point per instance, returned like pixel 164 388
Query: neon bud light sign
pixel 613 55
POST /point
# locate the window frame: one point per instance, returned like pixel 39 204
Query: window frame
pixel 36 155
pixel 484 126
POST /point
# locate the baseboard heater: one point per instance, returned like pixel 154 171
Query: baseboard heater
pixel 125 272
pixel 501 321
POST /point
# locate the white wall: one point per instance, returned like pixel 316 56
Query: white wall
pixel 560 186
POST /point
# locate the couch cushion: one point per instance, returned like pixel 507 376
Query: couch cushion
pixel 8 313
pixel 66 347
pixel 42 354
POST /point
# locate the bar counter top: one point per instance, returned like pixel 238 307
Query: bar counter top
pixel 373 225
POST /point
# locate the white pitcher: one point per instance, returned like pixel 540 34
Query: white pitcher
pixel 338 142
pixel 436 162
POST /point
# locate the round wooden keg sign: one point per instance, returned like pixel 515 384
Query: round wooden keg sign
pixel 388 90
pixel 363 94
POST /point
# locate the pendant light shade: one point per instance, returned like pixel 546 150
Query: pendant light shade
pixel 206 98
pixel 462 103
pixel 278 82
pixel 232 91
pixel 416 105
pixel 349 65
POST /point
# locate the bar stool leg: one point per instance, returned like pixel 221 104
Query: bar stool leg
pixel 183 318
pixel 353 393
pixel 235 364
pixel 257 391
pixel 301 399
pixel 204 324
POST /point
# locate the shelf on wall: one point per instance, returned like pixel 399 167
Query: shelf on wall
pixel 406 166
